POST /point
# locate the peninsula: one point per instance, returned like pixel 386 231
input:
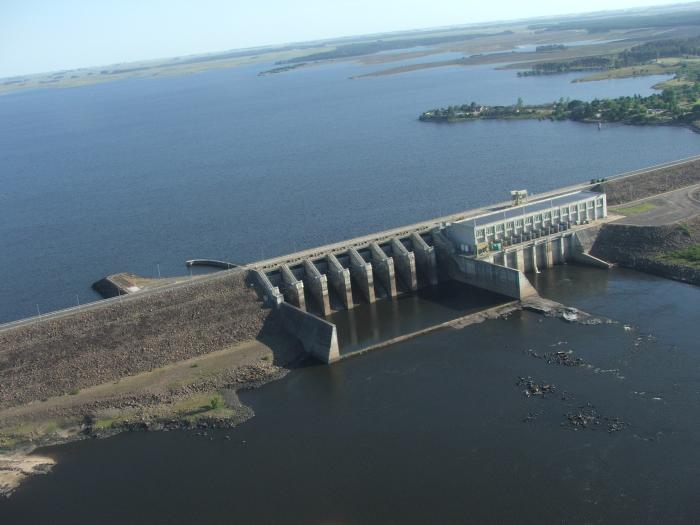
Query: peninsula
pixel 676 104
pixel 668 108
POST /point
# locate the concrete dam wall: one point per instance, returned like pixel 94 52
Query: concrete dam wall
pixel 344 277
pixel 305 290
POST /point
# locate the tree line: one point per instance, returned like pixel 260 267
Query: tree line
pixel 636 55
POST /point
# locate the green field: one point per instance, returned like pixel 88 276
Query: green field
pixel 636 209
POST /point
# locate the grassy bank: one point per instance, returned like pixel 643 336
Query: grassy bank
pixel 687 257
pixel 637 209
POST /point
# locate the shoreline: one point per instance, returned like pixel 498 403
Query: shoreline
pixel 179 397
pixel 16 468
pixel 689 126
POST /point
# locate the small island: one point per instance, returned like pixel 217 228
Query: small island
pixel 666 108
pixel 548 48
pixel 281 69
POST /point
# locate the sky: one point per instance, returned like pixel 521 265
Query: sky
pixel 47 35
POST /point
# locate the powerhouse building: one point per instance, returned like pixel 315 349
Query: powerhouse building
pixel 526 221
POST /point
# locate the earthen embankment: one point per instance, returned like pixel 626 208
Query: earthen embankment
pixel 648 183
pixel 57 356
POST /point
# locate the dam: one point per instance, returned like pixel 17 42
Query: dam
pixel 489 249
pixel 300 294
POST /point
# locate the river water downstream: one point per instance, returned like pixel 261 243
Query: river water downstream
pixel 369 324
pixel 433 430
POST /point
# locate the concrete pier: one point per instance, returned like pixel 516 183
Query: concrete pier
pixel 540 254
pixel 405 263
pixel 340 280
pixel 533 256
pixel 383 266
pixel 519 260
pixel 548 255
pixel 561 251
pixel 317 284
pixel 271 294
pixel 425 258
pixel 508 260
pixel 293 288
pixel 401 263
pixel 444 249
pixel 361 273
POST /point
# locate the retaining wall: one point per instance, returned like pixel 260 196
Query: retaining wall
pixel 318 337
pixel 492 277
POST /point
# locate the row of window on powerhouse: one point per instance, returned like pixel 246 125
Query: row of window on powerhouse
pixel 576 212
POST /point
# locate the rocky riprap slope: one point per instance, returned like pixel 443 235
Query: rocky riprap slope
pixel 101 344
pixel 639 247
pixel 651 183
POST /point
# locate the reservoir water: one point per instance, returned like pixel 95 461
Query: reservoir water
pixel 129 175
pixel 432 430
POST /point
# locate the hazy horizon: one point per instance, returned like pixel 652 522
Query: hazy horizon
pixel 37 38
